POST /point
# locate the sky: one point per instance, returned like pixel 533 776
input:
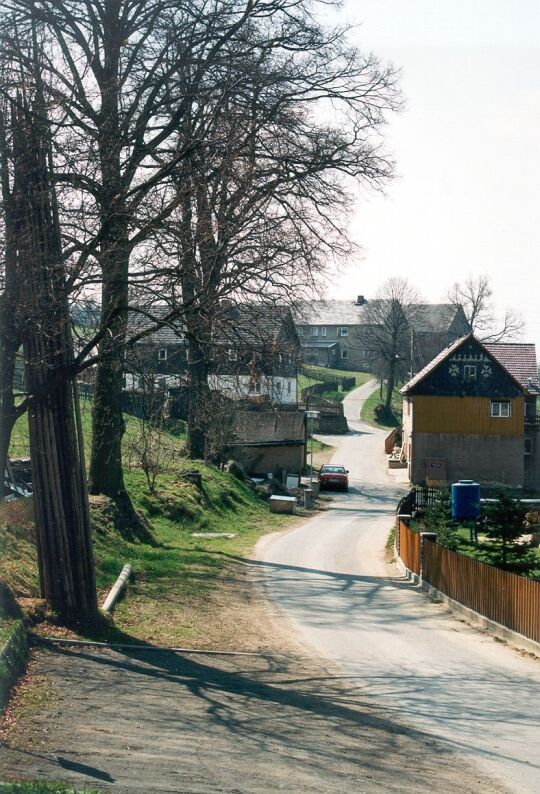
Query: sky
pixel 466 197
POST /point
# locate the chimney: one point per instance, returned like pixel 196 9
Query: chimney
pixel 360 300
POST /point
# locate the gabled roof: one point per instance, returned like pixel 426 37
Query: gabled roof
pixel 515 359
pixel 519 359
pixel 433 317
pixel 434 363
pixel 257 324
pixel 170 333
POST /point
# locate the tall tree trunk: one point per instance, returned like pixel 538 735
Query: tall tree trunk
pixel 199 398
pixel 390 384
pixel 63 529
pixel 10 334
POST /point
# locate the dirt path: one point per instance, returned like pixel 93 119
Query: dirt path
pixel 168 722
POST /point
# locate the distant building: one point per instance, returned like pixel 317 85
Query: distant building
pixel 471 414
pixel 254 354
pixel 334 333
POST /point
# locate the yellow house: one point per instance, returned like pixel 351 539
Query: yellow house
pixel 471 413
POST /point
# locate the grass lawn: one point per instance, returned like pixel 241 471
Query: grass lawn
pixel 176 575
pixel 42 788
pixel 312 374
pixel 368 409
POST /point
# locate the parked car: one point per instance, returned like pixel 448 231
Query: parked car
pixel 332 475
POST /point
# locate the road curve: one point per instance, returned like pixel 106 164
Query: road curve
pixel 406 653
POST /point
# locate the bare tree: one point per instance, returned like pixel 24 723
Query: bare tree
pixel 389 318
pixel 63 530
pixel 475 296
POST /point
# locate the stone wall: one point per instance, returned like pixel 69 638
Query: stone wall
pixel 490 460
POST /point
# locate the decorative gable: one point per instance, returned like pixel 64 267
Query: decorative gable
pixel 467 369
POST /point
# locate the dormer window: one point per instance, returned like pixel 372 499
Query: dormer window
pixel 162 354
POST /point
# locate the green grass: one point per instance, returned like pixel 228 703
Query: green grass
pixel 368 409
pixel 312 374
pixel 171 567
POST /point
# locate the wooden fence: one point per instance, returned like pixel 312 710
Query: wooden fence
pixel 408 543
pixel 511 600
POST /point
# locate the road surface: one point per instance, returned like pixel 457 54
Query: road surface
pixel 405 652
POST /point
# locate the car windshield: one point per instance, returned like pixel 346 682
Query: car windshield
pixel 333 470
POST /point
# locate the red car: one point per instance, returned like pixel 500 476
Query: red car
pixel 333 476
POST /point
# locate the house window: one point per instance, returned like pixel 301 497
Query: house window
pixel 288 387
pixel 314 331
pixel 162 354
pixel 469 371
pixel 323 331
pixel 254 387
pixel 344 354
pixel 232 355
pixel 343 331
pixel 501 409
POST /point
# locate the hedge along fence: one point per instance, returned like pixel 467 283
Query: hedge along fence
pixel 14 651
pixel 510 600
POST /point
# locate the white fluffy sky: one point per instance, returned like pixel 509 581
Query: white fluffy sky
pixel 467 194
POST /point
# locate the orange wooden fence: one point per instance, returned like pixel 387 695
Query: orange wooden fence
pixel 409 547
pixel 513 601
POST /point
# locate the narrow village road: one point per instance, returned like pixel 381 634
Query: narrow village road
pixel 400 649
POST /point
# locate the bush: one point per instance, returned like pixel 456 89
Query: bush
pixel 382 413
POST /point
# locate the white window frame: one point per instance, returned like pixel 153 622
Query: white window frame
pixel 323 330
pixel 314 330
pixel 344 354
pixel 496 407
pixel 162 354
pixel 343 330
pixel 232 354
pixel 469 372
pixel 254 387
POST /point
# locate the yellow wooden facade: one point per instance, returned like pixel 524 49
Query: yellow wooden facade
pixel 470 415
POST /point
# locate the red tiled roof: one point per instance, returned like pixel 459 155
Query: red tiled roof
pixel 519 360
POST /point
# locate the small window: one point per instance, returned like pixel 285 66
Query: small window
pixel 162 354
pixel 288 387
pixel 501 409
pixel 315 331
pixel 344 354
pixel 255 387
pixel 232 355
pixel 323 331
pixel 469 371
pixel 343 331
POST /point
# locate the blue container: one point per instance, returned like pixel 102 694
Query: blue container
pixel 465 500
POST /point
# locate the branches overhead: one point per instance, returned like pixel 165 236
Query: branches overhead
pixel 475 296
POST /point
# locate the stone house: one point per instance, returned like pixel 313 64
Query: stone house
pixel 335 333
pixel 471 414
pixel 269 441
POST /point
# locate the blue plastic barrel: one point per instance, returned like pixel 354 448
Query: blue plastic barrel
pixel 465 500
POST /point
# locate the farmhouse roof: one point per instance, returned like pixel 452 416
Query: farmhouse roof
pixel 519 359
pixel 170 333
pixel 271 427
pixel 516 359
pixel 427 316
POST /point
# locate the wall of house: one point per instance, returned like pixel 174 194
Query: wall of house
pixel 493 460
pixel 433 414
pixel 268 460
pixel 532 458
pixel 278 389
pixel 352 352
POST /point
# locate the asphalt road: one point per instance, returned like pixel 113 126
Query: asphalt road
pixel 403 652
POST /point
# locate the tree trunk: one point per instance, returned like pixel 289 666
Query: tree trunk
pixel 199 399
pixel 390 384
pixel 63 529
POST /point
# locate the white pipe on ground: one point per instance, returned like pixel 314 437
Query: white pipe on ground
pixel 119 585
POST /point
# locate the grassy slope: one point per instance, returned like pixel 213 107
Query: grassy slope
pixel 368 415
pixel 313 374
pixel 175 571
